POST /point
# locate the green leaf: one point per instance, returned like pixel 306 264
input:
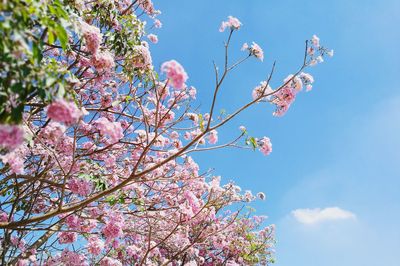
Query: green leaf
pixel 51 38
pixel 62 35
pixel 252 142
pixel 201 122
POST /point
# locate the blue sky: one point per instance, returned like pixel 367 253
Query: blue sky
pixel 338 146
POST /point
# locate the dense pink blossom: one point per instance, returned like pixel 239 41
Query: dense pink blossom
pixel 71 258
pixel 147 6
pixel 67 237
pixel 11 136
pixel 15 159
pixel 64 112
pixel 92 37
pixel 107 261
pixel 3 216
pixel 175 73
pixel 112 230
pixel 73 221
pixel 265 145
pixel 283 99
pixel 53 133
pixel 232 23
pixel 113 130
pixel 80 186
pixel 103 61
pixel 95 245
pixel 142 57
pixel 23 262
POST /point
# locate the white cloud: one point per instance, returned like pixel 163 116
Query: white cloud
pixel 314 216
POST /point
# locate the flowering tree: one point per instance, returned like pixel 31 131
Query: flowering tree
pixel 95 144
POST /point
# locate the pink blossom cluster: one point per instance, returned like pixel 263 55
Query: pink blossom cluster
pixel 113 227
pixel 11 136
pixel 92 37
pixel 113 130
pixel 80 186
pixel 15 159
pixel 95 245
pixel 67 237
pixel 103 61
pixel 265 145
pixel 255 50
pixel 148 7
pixel 175 73
pixel 232 23
pixel 262 91
pixel 153 38
pixel 316 51
pixel 285 96
pixel 142 58
pixel 213 137
pixel 63 111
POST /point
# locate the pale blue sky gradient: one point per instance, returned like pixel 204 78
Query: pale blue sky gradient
pixel 338 145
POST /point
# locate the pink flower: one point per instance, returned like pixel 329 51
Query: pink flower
pixel 254 50
pixel 261 90
pixel 73 222
pixel 175 73
pixel 265 145
pixel 147 6
pixel 64 112
pixel 142 58
pixel 71 258
pixel 92 37
pixel 80 186
pixel 103 61
pixel 315 40
pixel 11 136
pixel 153 38
pixel 15 160
pixel 107 261
pixel 52 133
pixel 295 83
pixel 157 23
pixel 66 237
pixel 213 137
pixel 257 51
pixel 23 262
pixel 192 92
pixel 95 245
pixel 112 230
pixel 232 23
pixel 3 217
pixel 285 96
pixel 307 80
pixel 113 130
